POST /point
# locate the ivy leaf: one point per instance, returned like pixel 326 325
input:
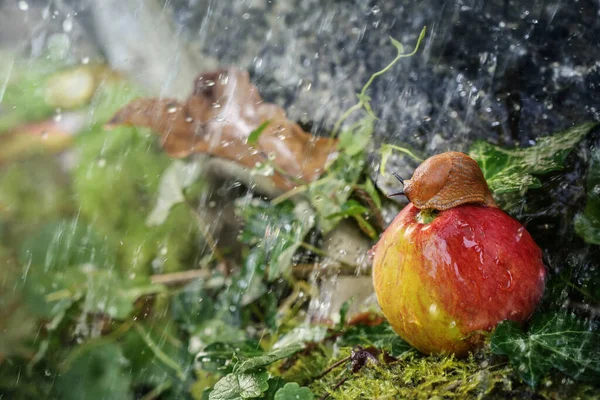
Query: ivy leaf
pixel 587 225
pixel 560 341
pixel 100 373
pixel 269 358
pixel 240 386
pixel 293 391
pixel 381 336
pixel 515 170
pixel 276 232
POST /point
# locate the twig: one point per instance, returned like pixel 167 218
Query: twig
pixel 332 367
pixel 177 278
pixel 304 270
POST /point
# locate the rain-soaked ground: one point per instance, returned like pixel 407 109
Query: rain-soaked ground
pixel 138 267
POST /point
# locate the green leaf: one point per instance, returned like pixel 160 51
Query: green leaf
pixel 240 386
pixel 329 194
pixel 64 244
pixel 587 224
pixel 217 356
pixel 100 373
pixel 516 170
pixel 555 340
pixel 293 391
pixel 355 139
pixel 351 208
pixel 381 336
pixel 255 134
pixel 176 178
pixel 269 358
pixel 397 45
pixel 275 232
pixel 369 187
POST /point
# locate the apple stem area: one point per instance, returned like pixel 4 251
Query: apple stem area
pixel 427 215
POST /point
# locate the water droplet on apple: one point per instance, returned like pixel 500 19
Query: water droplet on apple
pixel 433 310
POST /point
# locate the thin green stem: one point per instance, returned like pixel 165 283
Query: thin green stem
pixel 164 358
pixel 289 194
pixel 361 97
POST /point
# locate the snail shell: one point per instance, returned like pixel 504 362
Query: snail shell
pixel 448 180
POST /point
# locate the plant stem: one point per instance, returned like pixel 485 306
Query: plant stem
pixel 207 235
pixel 169 362
pixel 289 194
pixel 361 97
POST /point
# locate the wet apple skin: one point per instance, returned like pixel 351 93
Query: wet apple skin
pixel 440 283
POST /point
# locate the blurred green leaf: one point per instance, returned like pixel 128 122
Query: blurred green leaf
pixel 356 138
pixel 275 232
pixel 554 340
pixel 255 134
pixel 64 244
pixel 269 358
pixel 116 184
pixel 516 170
pixel 175 179
pixel 100 373
pixel 293 391
pixel 329 194
pixel 217 356
pixel 587 224
pixel 240 386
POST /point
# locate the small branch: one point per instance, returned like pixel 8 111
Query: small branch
pixel 178 278
pixel 303 271
pixel 332 367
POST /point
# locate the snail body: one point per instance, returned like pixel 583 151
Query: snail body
pixel 448 180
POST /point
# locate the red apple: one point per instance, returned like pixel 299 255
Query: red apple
pixel 441 283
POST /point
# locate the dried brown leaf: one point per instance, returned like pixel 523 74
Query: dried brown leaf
pixel 218 118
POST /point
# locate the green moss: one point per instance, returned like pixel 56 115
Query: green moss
pixel 116 184
pixel 419 377
pixel 303 367
pixel 31 193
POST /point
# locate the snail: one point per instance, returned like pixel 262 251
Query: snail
pixel 446 180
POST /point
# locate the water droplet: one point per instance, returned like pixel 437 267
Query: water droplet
pixel 23 6
pixel 172 110
pixel 101 163
pixel 433 309
pixel 246 16
pixel 67 25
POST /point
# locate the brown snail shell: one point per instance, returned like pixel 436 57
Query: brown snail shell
pixel 448 180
